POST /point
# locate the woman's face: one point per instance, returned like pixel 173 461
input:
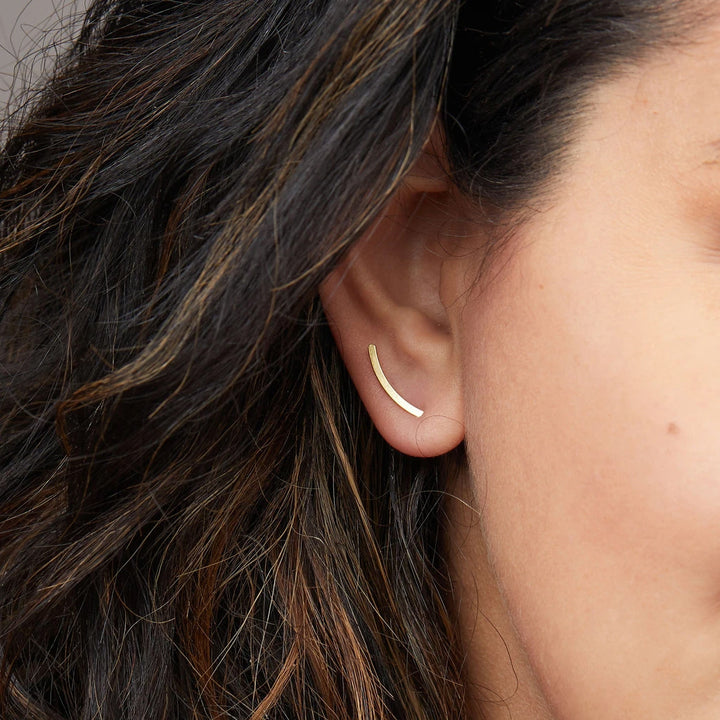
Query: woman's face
pixel 590 358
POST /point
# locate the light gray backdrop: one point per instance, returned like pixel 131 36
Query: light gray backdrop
pixel 22 24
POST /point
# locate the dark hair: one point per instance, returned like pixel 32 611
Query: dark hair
pixel 197 517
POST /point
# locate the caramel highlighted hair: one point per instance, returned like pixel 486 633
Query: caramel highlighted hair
pixel 197 518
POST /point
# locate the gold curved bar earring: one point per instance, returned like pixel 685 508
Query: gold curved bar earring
pixel 388 388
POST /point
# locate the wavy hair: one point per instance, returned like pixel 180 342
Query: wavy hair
pixel 197 517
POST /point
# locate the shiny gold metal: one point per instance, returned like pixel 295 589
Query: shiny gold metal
pixel 388 388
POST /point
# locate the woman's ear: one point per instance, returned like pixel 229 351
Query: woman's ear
pixel 388 293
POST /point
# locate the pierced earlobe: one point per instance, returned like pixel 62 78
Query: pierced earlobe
pixel 388 388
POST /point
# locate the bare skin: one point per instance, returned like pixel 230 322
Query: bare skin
pixel 582 374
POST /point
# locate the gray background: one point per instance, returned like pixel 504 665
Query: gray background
pixel 23 24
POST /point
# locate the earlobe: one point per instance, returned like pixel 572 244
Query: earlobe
pixel 385 310
pixel 434 434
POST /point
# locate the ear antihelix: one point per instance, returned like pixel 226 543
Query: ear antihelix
pixel 388 388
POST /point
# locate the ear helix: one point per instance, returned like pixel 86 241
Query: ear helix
pixel 388 388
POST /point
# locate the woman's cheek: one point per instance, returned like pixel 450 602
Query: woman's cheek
pixel 594 439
